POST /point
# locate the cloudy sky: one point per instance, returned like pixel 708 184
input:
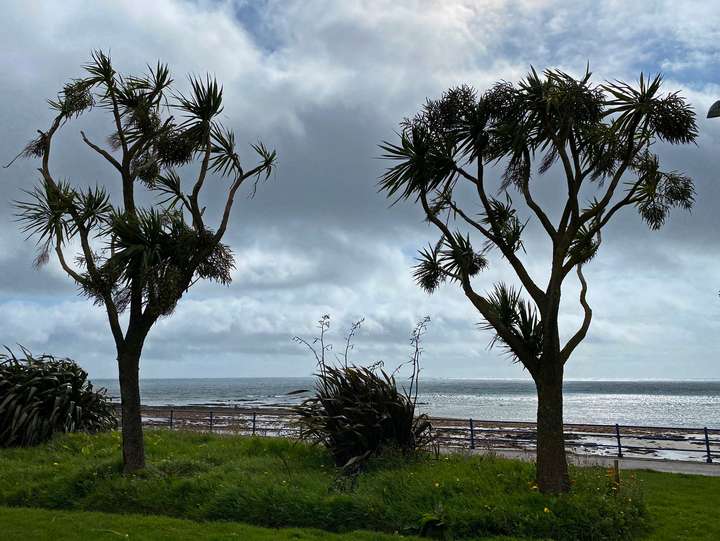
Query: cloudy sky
pixel 324 83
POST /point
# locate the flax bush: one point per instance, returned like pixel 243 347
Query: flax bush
pixel 40 396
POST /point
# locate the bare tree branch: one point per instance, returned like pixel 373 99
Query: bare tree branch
pixel 231 197
pixel 579 336
pixel 102 152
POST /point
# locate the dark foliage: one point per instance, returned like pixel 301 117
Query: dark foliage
pixel 40 396
pixel 160 250
pixel 598 134
pixel 358 411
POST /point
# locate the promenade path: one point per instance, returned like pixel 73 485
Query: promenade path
pixel 625 463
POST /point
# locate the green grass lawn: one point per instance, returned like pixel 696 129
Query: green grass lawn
pixel 280 483
pixel 682 506
pixel 51 525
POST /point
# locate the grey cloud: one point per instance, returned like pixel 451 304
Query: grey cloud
pixel 324 83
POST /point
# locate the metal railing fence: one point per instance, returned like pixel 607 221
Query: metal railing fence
pixel 685 443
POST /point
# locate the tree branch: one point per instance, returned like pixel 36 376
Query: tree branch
pixel 537 294
pixel 482 305
pixel 579 336
pixel 102 152
pixel 231 198
pixel 196 212
pixel 544 220
pixel 84 240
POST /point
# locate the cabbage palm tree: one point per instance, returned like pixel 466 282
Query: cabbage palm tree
pixel 594 144
pixel 133 260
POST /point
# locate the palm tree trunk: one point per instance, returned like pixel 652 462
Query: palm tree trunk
pixel 133 446
pixel 552 467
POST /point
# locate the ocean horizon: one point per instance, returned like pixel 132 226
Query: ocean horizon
pixel 646 402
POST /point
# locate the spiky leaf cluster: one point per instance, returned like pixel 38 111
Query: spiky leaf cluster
pixel 41 396
pixel 449 259
pixel 53 214
pixel 502 218
pixel 584 245
pixel 74 99
pixel 658 191
pixel 166 253
pixel 543 114
pixel 518 317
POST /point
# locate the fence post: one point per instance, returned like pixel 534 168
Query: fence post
pixel 171 419
pixel 617 435
pixel 616 472
pixel 253 425
pixel 707 447
pixel 472 434
pixel 211 421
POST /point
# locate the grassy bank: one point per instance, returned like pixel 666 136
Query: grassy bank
pixel 280 483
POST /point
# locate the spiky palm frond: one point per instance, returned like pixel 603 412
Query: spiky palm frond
pixel 452 259
pixel 424 164
pixel 428 272
pixel 204 102
pixel 46 216
pixel 502 218
pixel 669 117
pixel 268 158
pixel 94 208
pixel 100 69
pixel 517 317
pixel 224 159
pixel 458 258
pixel 657 191
pixel 584 245
pixel 169 186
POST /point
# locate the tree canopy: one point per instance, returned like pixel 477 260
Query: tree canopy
pixel 154 253
pixel 599 135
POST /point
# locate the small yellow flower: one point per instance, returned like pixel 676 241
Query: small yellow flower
pixel 437 485
pixel 546 510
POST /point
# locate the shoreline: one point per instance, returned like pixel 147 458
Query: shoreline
pixel 587 439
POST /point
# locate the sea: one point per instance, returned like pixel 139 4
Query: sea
pixel 689 403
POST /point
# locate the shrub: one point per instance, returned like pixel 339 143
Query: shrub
pixel 359 411
pixel 43 395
